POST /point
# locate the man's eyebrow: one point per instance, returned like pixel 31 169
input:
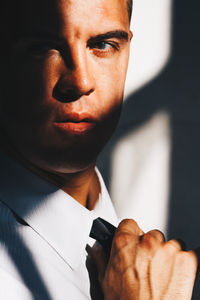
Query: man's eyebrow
pixel 119 34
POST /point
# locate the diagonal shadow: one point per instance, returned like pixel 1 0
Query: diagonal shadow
pixel 21 257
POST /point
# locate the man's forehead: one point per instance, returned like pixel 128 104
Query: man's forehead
pixel 54 13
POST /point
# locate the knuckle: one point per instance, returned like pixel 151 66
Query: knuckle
pixel 126 223
pixel 148 240
pixel 172 246
pixel 169 249
pixel 131 226
pixel 158 235
pixel 121 239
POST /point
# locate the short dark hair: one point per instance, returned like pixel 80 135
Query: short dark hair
pixel 130 6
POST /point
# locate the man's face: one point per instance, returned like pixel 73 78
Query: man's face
pixel 62 83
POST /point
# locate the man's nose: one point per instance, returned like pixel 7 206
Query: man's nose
pixel 76 78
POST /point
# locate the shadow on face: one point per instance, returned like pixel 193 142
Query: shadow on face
pixel 62 79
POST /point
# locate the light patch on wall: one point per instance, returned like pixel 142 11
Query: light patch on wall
pixel 150 47
pixel 141 172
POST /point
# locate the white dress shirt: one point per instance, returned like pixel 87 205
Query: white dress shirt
pixel 43 236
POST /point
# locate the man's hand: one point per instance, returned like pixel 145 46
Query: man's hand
pixel 144 266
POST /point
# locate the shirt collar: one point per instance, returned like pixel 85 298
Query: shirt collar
pixel 54 215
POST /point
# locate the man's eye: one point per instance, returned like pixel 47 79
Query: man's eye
pixel 105 46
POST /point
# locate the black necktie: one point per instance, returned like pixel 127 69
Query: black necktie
pixel 103 232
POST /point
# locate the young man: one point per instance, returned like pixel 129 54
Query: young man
pixel 63 70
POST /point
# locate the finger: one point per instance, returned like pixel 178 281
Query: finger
pixel 99 257
pixel 157 234
pixel 127 233
pixel 151 241
pixel 178 244
pixel 197 255
pixel 129 226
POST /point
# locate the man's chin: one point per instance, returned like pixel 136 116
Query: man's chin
pixel 68 167
pixel 73 161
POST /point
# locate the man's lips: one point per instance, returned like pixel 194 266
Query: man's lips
pixel 75 123
pixel 75 118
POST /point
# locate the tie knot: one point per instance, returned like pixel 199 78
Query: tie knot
pixel 103 232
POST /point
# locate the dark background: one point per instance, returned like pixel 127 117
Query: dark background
pixel 177 90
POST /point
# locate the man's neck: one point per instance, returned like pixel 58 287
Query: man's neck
pixel 83 186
